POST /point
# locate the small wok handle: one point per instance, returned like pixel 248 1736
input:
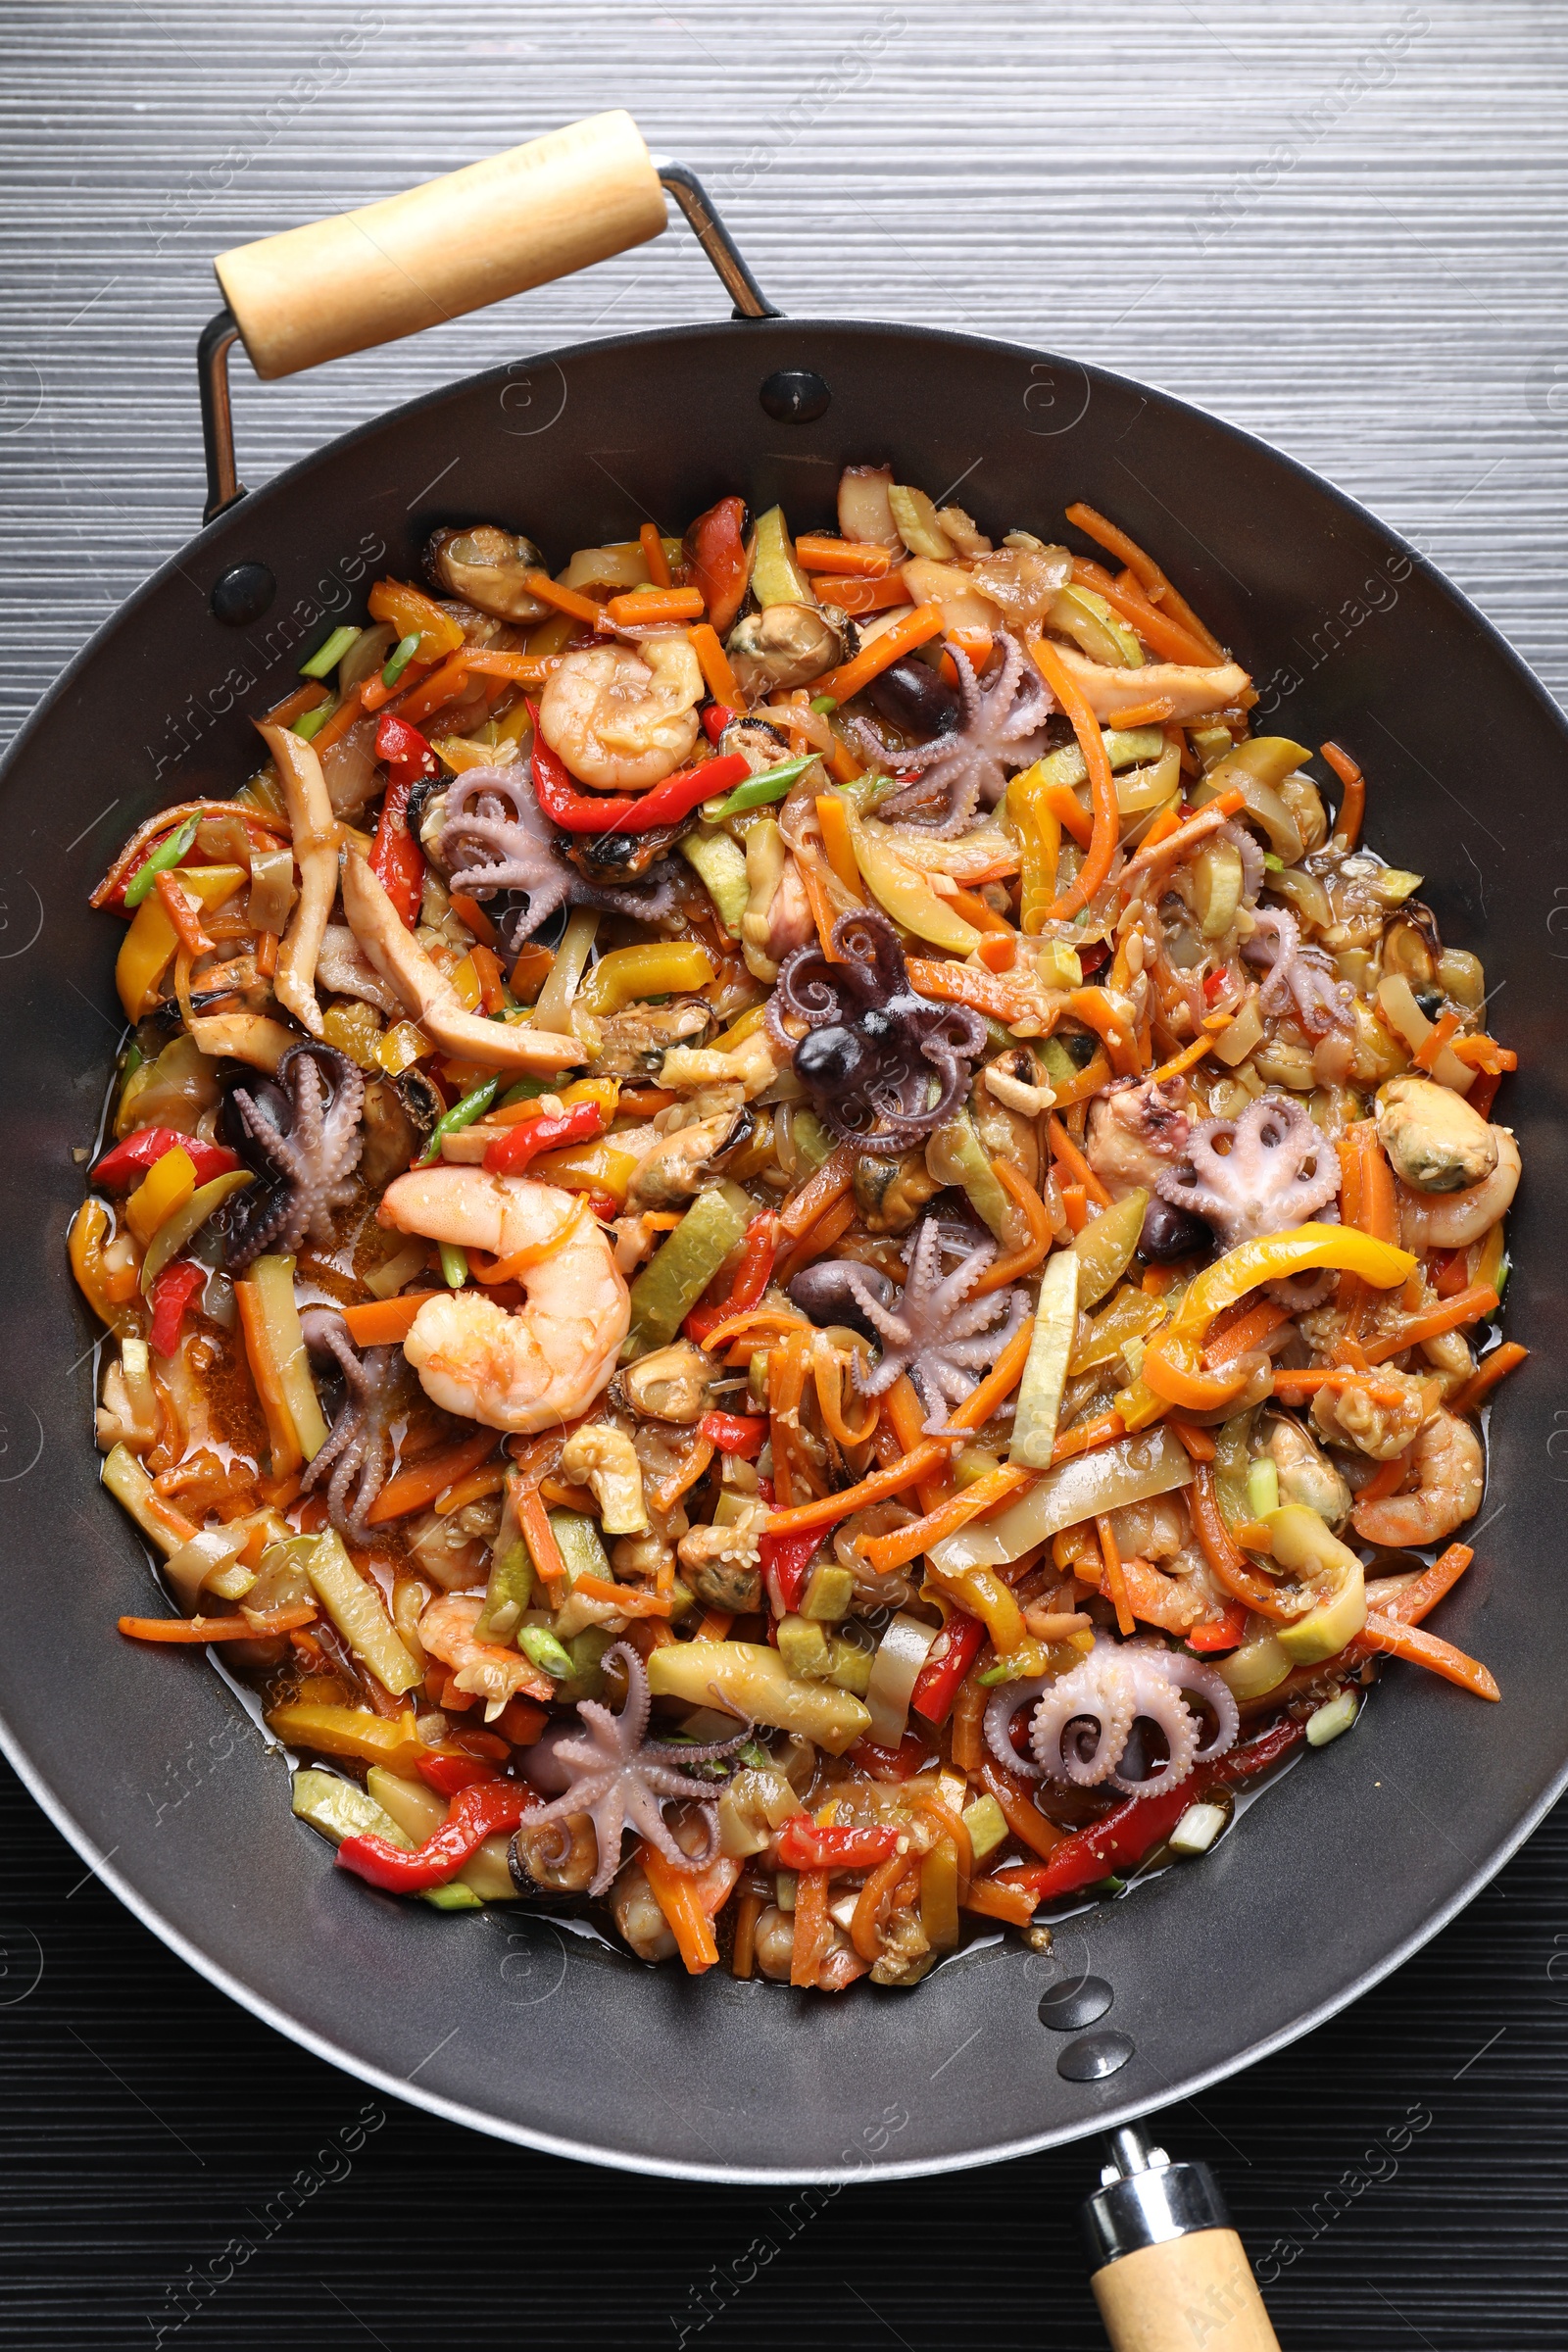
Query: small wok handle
pixel 1170 2270
pixel 492 229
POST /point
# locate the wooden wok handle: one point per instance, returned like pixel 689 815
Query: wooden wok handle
pixel 536 213
pixel 1193 2290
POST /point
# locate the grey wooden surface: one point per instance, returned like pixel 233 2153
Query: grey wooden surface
pixel 1339 224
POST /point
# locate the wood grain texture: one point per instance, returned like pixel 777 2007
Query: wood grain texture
pixel 1339 224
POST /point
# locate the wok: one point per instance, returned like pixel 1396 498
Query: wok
pixel 148 1763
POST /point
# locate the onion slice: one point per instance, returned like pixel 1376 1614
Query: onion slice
pixel 895 1670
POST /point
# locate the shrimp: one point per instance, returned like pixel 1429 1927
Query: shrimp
pixel 485 1668
pixel 1450 1476
pixel 546 1362
pixel 1453 1220
pixel 430 996
pixel 622 718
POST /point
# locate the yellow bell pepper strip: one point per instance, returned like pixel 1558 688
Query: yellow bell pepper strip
pixel 149 946
pixel 627 975
pixel 166 1187
pixel 389 1740
pixel 1173 1365
pixel 1101 784
pixel 180 1223
pixel 107 1291
pixel 1032 814
pixel 412 613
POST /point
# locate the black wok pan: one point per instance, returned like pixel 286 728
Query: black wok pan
pixel 148 1763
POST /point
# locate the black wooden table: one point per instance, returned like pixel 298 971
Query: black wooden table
pixel 1339 225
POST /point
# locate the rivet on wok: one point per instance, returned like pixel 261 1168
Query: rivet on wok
pixel 242 593
pixel 1093 2056
pixel 1075 2003
pixel 795 396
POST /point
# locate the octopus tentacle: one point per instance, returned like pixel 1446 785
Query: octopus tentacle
pixel 936 1332
pixel 1100 1692
pixel 1275 1171
pixel 1001 728
pixel 1000 1708
pixel 1299 980
pixel 871 1043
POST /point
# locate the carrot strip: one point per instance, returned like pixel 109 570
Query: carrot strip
pixel 1197 1440
pixel 1086 1435
pixel 712 1626
pixel 1353 808
pixel 1185 1061
pixel 1075 1208
pixel 975 1410
pixel 1089 1081
pixel 903 1417
pixel 630 1599
pixel 257 1627
pixel 1114 1585
pixel 349 710
pixel 713 663
pixel 821 1189
pixel 865 1926
pixel 1494 1367
pixel 815 552
pixel 1101 783
pixel 884 1552
pixel 991 1899
pixel 564 600
pixel 1070 813
pixel 1029 1253
pixel 429 1475
pixel 974 909
pixel 646 604
pixel 675 1892
pixel 1223 1554
pixel 1248 1331
pixel 1396 1641
pixel 862 594
pixel 965 984
pixel 1019 1811
pixel 1159 849
pixel 786 1385
pixel 442 685
pixel 1419 1600
pixel 523 669
pixel 1146 572
pixel 1152 714
pixel 1468 1308
pixel 1065 1149
pixel 1485 1054
pixel 539 1534
pixel 742 1951
pixel 1162 634
pixel 1440 1034
pixel 834 1221
pixel 813 1927
pixel 923 623
pixel 653 556
pixel 838 845
pixel 1385 1480
pixel 1293 1387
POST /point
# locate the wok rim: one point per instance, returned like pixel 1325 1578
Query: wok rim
pixel 279 489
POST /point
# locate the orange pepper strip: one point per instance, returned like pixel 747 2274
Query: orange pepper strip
pixel 1099 1010
pixel 1029 1253
pixel 1479 1387
pixel 884 1552
pixel 1386 1480
pixel 1353 808
pixel 923 623
pixel 429 1475
pixel 865 1928
pixel 813 1929
pixel 975 1410
pixel 815 552
pixel 472 1488
pixel 1065 1149
pixel 676 1893
pixel 1162 634
pixel 713 663
pixel 1101 783
pixel 827 1371
pixel 1224 1555
pixel 1114 1585
pixel 786 1385
pixel 1440 1034
pixel 773 1319
pixel 993 1900
pixel 1468 1308
pixel 838 845
pixel 1089 1081
pixel 1195 1392
pixel 1021 1814
pixel 1248 1331
pixel 1394 1640
pixel 653 556
pixel 1146 572
pixel 828 1184
pixel 742 1952
pixel 220 1628
pixel 564 600
pixel 965 984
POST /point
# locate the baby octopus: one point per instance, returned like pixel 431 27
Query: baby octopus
pixel 1001 728
pixel 1080 1723
pixel 496 843
pixel 932 1333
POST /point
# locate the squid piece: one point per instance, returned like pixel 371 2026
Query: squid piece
pixel 316 836
pixel 430 996
pixel 1189 690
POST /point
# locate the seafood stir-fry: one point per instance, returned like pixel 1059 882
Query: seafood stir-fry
pixel 797 1250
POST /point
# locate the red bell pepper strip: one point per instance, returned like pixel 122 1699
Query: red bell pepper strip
pixel 172 1294
pixel 128 1162
pixel 557 796
pixel 806 1845
pixel 784 1562
pixel 735 1433
pixel 952 1653
pixel 716 716
pixel 449 1776
pixel 477 1813
pixel 1134 1829
pixel 1224 1634
pixel 511 1152
pixel 900 1763
pixel 396 857
pixel 715 548
pixel 759 1249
